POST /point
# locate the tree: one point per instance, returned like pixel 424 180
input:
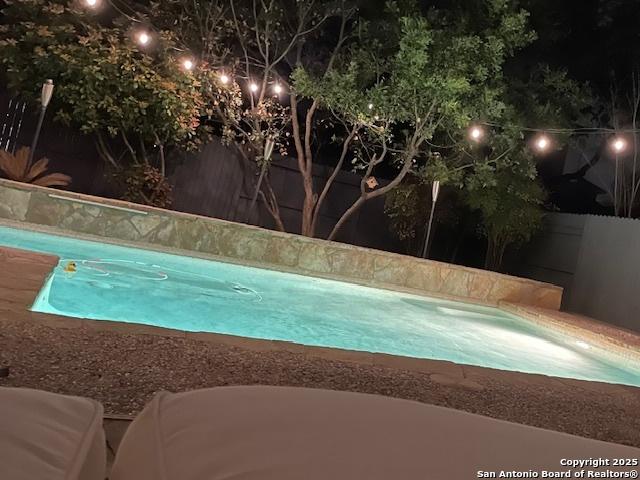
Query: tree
pixel 408 207
pixel 500 167
pixel 624 148
pixel 394 99
pixel 511 209
pixel 264 41
pixel 332 63
pixel 136 103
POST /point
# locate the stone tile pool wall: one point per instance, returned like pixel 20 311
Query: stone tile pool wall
pixel 239 243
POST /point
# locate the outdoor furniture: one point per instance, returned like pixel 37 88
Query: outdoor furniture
pixel 295 433
pixel 47 436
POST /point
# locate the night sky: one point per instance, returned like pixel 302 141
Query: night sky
pixel 592 39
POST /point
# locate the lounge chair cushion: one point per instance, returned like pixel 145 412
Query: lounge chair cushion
pixel 271 433
pixel 47 436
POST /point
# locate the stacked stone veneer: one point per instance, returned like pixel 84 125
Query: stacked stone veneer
pixel 256 246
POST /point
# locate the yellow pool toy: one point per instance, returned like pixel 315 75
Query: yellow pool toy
pixel 71 267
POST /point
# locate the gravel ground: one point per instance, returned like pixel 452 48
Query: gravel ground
pixel 124 371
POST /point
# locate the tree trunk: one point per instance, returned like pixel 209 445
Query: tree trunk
pixel 347 215
pixel 495 253
pixel 103 151
pixel 271 203
pixel 273 211
pixel 489 254
pixel 308 204
pixel 334 174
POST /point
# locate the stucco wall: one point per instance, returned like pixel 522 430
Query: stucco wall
pixel 243 243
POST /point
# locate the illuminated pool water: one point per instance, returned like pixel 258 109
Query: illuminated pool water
pixel 140 286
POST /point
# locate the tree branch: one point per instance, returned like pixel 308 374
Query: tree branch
pixel 103 150
pixel 334 174
pixel 376 193
pixel 271 204
pixel 129 147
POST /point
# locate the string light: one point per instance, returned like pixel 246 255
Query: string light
pixel 619 145
pixel 143 38
pixel 187 63
pixel 476 133
pixel 542 143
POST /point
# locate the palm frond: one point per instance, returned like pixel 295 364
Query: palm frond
pixel 36 170
pixel 53 180
pixel 10 165
pixel 22 158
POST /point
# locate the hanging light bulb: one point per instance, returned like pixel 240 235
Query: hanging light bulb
pixel 253 87
pixel 370 106
pixel 188 64
pixel 542 143
pixel 277 89
pixel 224 79
pixel 476 133
pixel 91 3
pixel 143 38
pixel 619 144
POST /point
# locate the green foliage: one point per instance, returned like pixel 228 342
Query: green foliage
pixel 434 77
pixel 104 84
pixel 511 210
pixel 249 126
pixel 405 207
pixel 144 184
pixel 224 37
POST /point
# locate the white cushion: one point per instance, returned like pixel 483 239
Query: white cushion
pixel 47 436
pixel 266 433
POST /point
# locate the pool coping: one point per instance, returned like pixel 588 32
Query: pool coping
pixel 618 340
pixel 441 371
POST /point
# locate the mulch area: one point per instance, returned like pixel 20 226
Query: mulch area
pixel 124 371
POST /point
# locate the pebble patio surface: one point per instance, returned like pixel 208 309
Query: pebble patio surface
pixel 124 371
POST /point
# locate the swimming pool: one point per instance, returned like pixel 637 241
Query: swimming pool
pixel 140 286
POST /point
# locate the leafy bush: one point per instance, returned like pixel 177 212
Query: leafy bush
pixel 145 184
